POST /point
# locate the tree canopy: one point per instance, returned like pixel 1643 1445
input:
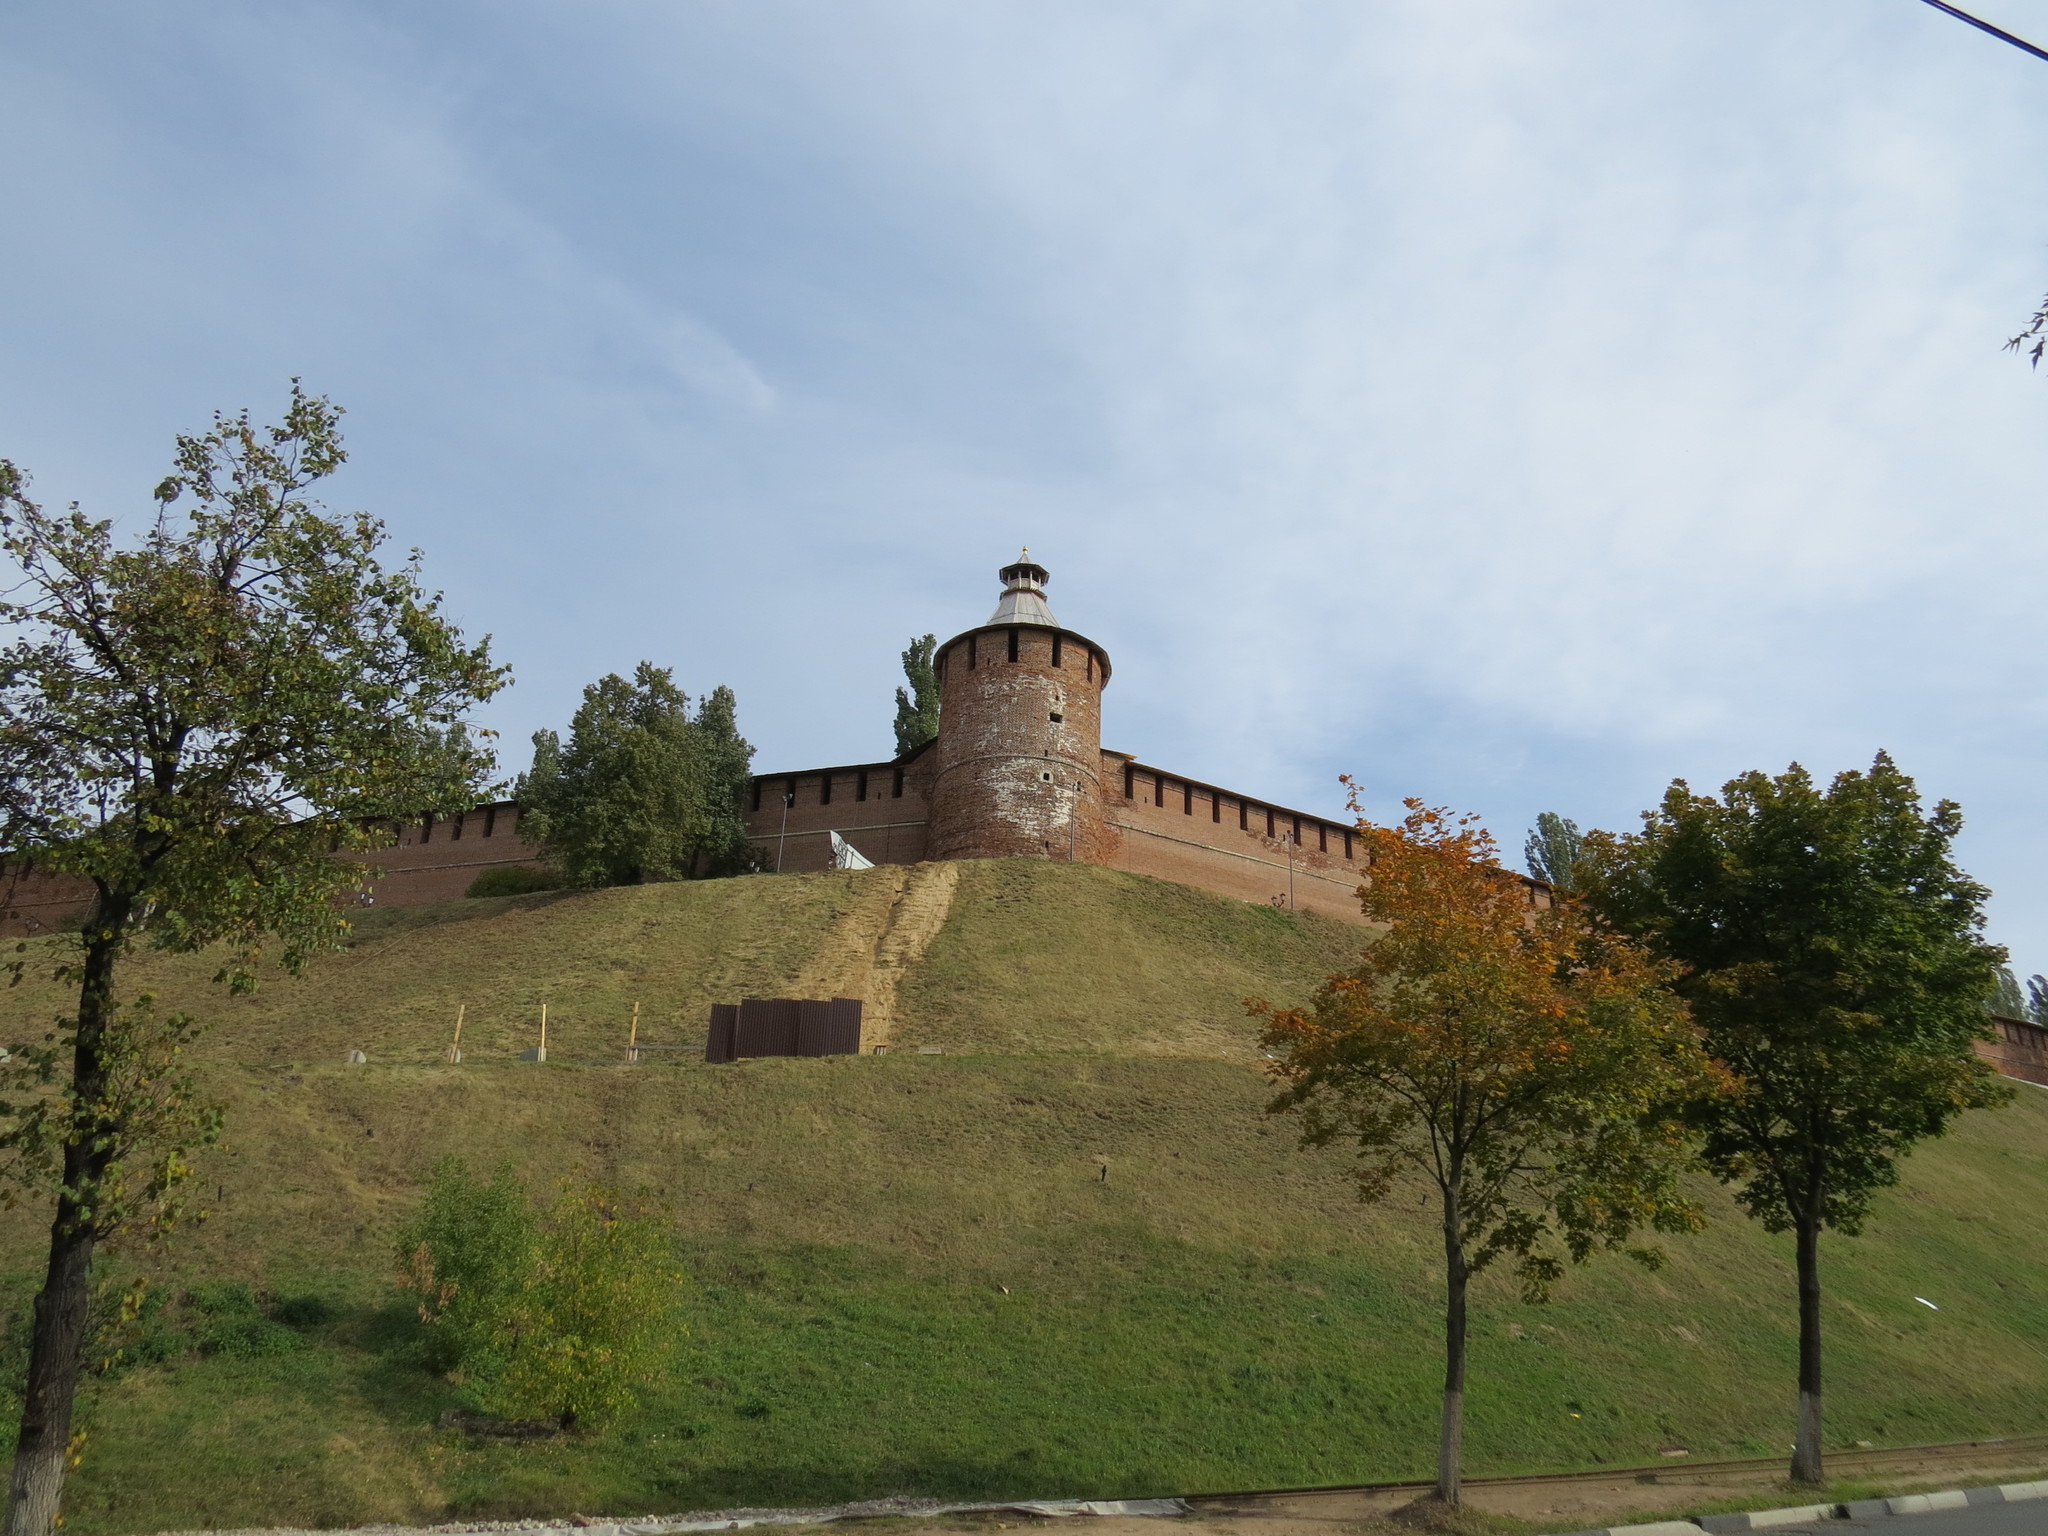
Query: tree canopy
pixel 645 790
pixel 1527 1063
pixel 1833 953
pixel 192 721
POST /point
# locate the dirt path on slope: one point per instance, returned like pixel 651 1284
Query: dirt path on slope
pixel 868 951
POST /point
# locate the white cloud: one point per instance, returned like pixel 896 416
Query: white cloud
pixel 1518 403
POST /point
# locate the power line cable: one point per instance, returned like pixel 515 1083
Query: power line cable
pixel 1985 26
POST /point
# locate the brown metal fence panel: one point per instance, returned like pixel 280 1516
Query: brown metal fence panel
pixel 767 1027
pixel 718 1045
pixel 784 1026
pixel 813 1027
pixel 845 1027
pixel 829 1027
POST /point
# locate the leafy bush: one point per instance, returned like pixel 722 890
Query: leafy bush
pixel 560 1315
pixel 514 880
pixel 469 1255
pixel 597 1318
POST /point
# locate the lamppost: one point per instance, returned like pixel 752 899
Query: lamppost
pixel 782 837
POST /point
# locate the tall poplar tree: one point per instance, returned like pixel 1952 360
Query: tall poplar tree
pixel 190 721
pixel 2006 1000
pixel 1553 851
pixel 1834 955
pixel 917 711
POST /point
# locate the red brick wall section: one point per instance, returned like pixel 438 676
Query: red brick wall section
pixel 1021 713
pixel 2019 1049
pixel 32 902
pixel 880 808
pixel 436 858
pixel 432 859
pixel 1178 828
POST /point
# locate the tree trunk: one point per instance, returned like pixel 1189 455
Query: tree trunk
pixel 57 1348
pixel 1806 1457
pixel 56 1360
pixel 1451 1442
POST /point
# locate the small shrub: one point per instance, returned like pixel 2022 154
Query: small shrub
pixel 468 1255
pixel 598 1317
pixel 222 1298
pixel 561 1316
pixel 514 880
pixel 245 1337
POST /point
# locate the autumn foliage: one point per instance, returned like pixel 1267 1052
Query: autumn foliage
pixel 1527 1062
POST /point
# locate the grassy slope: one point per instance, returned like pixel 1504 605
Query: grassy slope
pixel 1218 1312
pixel 1035 956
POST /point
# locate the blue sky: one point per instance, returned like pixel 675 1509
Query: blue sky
pixel 1516 403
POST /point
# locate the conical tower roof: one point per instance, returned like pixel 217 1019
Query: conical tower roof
pixel 1023 600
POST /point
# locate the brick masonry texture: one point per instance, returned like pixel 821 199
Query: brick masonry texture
pixel 1019 771
pixel 2019 1048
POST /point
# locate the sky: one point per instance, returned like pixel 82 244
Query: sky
pixel 1514 403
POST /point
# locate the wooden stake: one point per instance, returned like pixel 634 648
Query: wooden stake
pixel 633 1036
pixel 455 1050
pixel 543 1033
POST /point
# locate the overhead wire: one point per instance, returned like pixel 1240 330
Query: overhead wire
pixel 1984 26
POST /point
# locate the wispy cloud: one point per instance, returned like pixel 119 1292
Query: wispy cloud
pixel 1517 403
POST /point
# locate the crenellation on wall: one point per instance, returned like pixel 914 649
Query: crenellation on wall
pixel 880 808
pixel 1181 828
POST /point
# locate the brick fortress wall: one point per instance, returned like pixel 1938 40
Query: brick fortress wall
pixel 432 859
pixel 1182 829
pixel 1017 771
pixel 2018 1048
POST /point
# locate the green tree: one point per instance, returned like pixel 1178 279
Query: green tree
pixel 191 721
pixel 644 790
pixel 917 711
pixel 1833 953
pixel 562 1315
pixel 1553 851
pixel 1524 1062
pixel 2037 999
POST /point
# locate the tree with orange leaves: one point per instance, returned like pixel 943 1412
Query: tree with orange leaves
pixel 1527 1061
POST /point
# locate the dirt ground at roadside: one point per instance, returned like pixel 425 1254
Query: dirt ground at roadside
pixel 1590 1501
pixel 1501 1507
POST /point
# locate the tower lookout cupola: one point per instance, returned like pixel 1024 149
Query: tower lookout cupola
pixel 1019 754
pixel 1023 600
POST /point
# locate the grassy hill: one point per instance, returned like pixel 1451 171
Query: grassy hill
pixel 1068 1255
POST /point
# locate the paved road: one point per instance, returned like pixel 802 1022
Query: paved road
pixel 2028 1519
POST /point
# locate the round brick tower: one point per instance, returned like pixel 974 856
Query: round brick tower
pixel 1020 734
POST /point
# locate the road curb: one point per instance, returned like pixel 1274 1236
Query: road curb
pixel 1860 1509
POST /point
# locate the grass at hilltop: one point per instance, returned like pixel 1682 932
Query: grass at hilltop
pixel 1035 957
pixel 909 1274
